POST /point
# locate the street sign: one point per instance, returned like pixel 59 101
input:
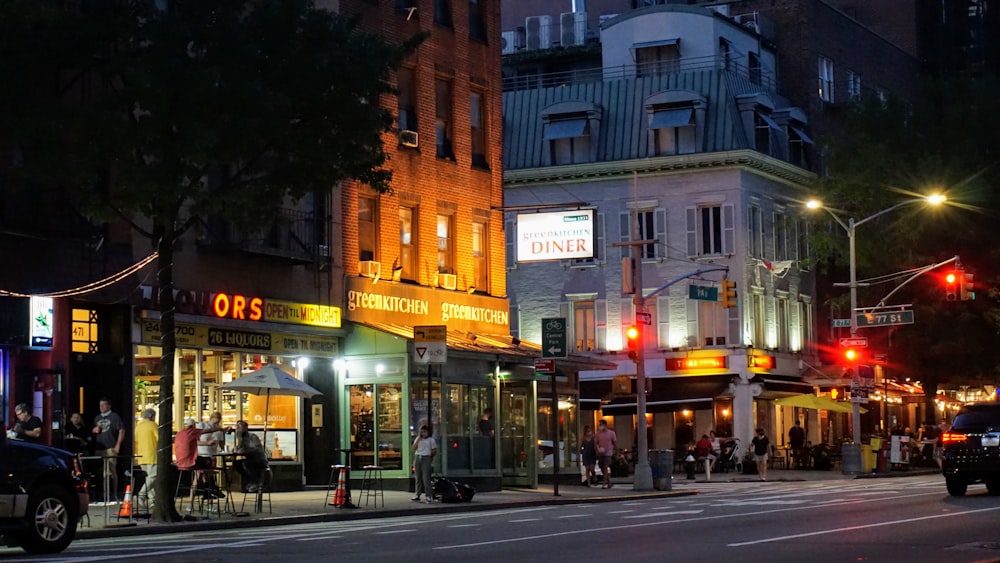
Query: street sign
pixel 430 344
pixel 554 337
pixel 880 359
pixel 841 323
pixel 854 342
pixel 860 396
pixel 545 365
pixel 703 293
pixel 885 318
pixel 644 318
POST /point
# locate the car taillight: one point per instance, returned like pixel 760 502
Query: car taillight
pixel 953 438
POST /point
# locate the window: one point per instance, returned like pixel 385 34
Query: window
pixel 725 54
pixel 471 427
pixel 652 225
pixel 367 228
pixel 674 131
pixel 826 79
pixel 798 150
pixel 478 130
pixel 853 85
pixel 477 20
pixel 442 12
pixel 764 126
pixel 754 67
pixel 569 139
pixel 882 95
pixel 756 232
pixel 803 240
pixel 780 237
pixel 446 244
pixel 584 328
pixel 407 243
pixel 85 331
pixel 710 230
pixel 407 99
pixel 480 268
pixel 599 257
pixel 657 58
pixel 443 118
pixel 376 425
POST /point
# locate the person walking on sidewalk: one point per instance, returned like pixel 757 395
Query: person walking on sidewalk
pixel 146 440
pixel 424 450
pixel 761 446
pixel 797 441
pixel 606 441
pixel 109 432
pixel 588 451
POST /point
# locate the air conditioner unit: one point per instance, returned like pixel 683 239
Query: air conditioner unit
pixel 536 31
pixel 447 281
pixel 511 42
pixel 370 268
pixel 573 28
pixel 409 138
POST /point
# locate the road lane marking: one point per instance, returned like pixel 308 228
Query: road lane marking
pixel 525 520
pixel 620 511
pixel 573 516
pixel 464 525
pixel 397 531
pixel 647 524
pixel 864 526
pixel 659 514
pixel 321 538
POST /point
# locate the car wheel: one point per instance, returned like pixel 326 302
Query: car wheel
pixel 993 486
pixel 956 487
pixel 52 517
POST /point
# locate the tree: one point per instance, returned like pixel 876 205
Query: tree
pixel 162 117
pixel 941 140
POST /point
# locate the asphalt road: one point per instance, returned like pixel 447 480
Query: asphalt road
pixel 904 519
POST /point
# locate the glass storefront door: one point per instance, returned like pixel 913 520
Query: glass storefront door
pixel 518 455
pixel 376 425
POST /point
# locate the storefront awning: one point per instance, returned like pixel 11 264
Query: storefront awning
pixel 670 394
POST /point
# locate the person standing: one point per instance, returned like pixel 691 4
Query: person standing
pixel 588 451
pixel 797 440
pixel 77 437
pixel 424 450
pixel 606 440
pixel 28 426
pixel 761 446
pixel 109 432
pixel 146 441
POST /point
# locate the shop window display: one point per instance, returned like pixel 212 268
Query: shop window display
pixel 471 427
pixel 568 442
pixel 376 425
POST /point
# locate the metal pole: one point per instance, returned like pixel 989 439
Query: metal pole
pixel 643 479
pixel 555 437
pixel 852 456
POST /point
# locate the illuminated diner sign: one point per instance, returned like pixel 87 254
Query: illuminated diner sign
pixel 708 362
pixel 560 235
pixel 246 308
pixel 761 362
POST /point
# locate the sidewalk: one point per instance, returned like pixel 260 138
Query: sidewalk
pixel 308 506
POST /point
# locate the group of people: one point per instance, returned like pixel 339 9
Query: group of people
pixel 598 449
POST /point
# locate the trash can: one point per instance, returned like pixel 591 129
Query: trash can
pixel 662 464
pixel 867 459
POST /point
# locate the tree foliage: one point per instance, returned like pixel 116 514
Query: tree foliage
pixel 162 117
pixel 941 141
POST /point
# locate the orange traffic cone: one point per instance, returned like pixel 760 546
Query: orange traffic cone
pixel 126 510
pixel 340 495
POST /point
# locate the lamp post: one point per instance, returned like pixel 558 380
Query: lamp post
pixel 852 456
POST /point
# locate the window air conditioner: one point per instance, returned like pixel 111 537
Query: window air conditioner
pixel 447 281
pixel 409 138
pixel 370 268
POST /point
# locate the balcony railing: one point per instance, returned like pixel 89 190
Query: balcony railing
pixel 530 81
pixel 290 233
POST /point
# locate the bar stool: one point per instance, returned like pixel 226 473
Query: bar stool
pixel 371 485
pixel 331 485
pixel 263 488
pixel 195 490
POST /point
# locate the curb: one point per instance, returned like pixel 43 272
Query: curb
pixel 132 530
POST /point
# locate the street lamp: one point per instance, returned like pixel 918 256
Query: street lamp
pixel 852 456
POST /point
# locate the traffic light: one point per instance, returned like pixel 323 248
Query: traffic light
pixel 634 337
pixel 951 286
pixel 851 355
pixel 966 287
pixel 728 293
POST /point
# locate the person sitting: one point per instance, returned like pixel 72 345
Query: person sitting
pixel 78 437
pixel 28 426
pixel 186 452
pixel 703 452
pixel 254 461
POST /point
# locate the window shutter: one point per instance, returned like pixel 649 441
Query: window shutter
pixel 601 323
pixel 660 220
pixel 691 220
pixel 627 318
pixel 733 337
pixel 509 236
pixel 624 233
pixel 663 321
pixel 566 312
pixel 693 339
pixel 728 229
pixel 599 254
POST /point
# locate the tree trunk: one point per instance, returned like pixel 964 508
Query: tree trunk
pixel 930 393
pixel 164 509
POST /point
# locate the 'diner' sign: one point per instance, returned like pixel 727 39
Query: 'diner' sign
pixel 560 235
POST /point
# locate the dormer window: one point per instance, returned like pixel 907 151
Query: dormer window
pixel 657 57
pixel 764 132
pixel 798 146
pixel 569 139
pixel 673 130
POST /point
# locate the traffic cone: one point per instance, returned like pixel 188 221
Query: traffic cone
pixel 126 510
pixel 340 495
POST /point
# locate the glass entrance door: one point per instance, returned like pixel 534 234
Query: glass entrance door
pixel 516 431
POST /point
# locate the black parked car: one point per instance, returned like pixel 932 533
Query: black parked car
pixel 43 493
pixel 972 449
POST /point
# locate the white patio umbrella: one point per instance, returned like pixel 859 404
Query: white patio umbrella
pixel 270 380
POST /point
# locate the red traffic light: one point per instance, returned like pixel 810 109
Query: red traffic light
pixel 632 335
pixel 950 277
pixel 851 355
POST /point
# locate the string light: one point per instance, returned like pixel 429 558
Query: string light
pixel 90 287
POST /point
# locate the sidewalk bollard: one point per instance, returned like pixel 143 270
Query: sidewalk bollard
pixel 689 466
